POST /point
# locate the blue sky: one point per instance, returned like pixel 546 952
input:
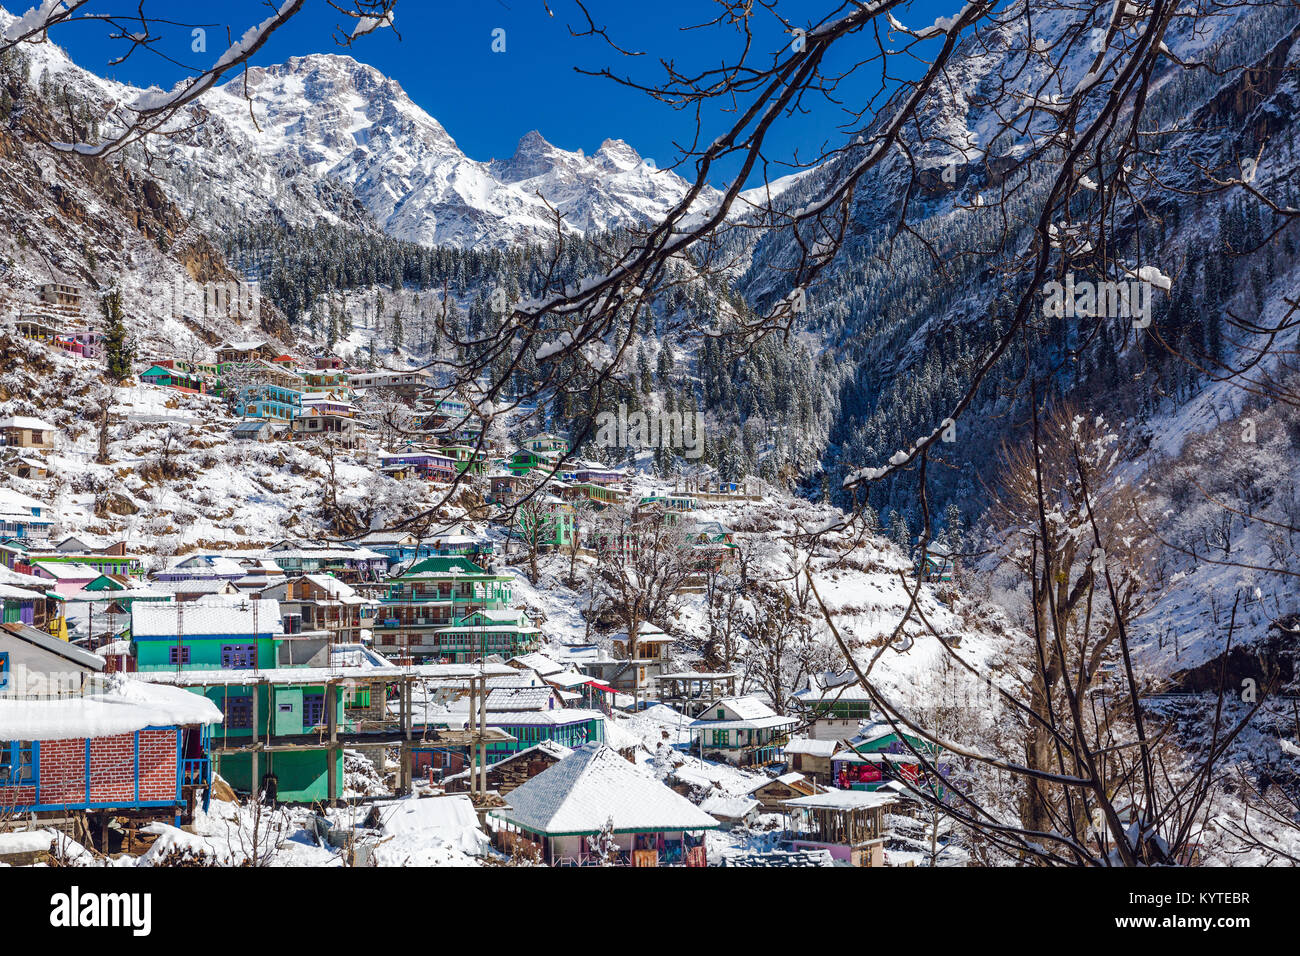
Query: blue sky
pixel 488 100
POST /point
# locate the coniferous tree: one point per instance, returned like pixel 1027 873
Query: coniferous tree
pixel 118 353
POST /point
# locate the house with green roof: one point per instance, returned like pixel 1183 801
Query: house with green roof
pixel 436 595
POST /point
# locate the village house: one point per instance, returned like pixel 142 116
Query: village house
pixel 773 794
pixel 501 631
pixel 833 706
pixel 238 634
pixel 71 742
pixel 269 400
pixel 319 605
pixel 317 422
pixel 32 606
pixel 467 458
pixel 850 824
pixel 345 561
pixel 84 343
pixel 432 596
pixel 588 472
pixel 595 807
pixel 601 496
pixel 105 558
pixel 575 688
pixel 14 463
pixel 22 516
pixel 402 381
pixel 201 567
pixel 525 461
pixel 67 576
pixel 554 445
pixel 878 755
pixel 244 352
pixel 740 730
pixel 165 377
pixel 196 589
pixel 19 431
pixel 730 810
pixel 258 429
pixel 505 488
pixel 400 547
pixel 939 564
pixel 677 503
pixel 690 692
pixel 513 771
pixel 432 466
pixel 811 756
pixel 61 294
pixel 230 654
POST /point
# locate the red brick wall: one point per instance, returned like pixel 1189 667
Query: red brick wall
pixel 112 771
pixel 63 771
pixel 158 764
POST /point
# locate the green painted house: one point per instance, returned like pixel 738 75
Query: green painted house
pixel 507 632
pixel 433 596
pixel 526 460
pixel 467 458
pixel 231 654
pixel 292 714
pixel 240 635
pixel 552 523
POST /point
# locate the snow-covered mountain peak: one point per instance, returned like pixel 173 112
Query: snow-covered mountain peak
pixel 347 122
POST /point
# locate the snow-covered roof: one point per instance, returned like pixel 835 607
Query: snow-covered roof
pixel 195 586
pixel 812 746
pixel 520 698
pixel 789 779
pixel 450 818
pixel 843 800
pixel 832 688
pixel 594 786
pixel 727 805
pixel 749 712
pixel 208 616
pixel 135 591
pixel 538 663
pixel 22 421
pixel 357 655
pixel 16 499
pixel 67 570
pixel 125 707
pixel 338 591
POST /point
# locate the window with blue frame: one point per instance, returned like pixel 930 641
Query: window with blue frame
pixel 239 656
pixel 17 763
pixel 4 671
pixel 313 710
pixel 178 655
pixel 238 712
